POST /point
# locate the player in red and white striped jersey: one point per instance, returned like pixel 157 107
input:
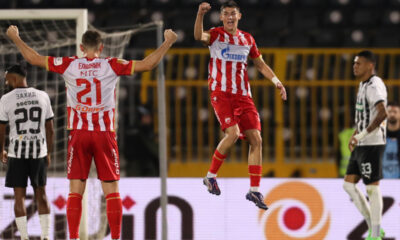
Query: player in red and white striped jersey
pixel 230 92
pixel 90 83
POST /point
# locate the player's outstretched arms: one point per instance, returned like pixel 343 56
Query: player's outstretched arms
pixel 151 61
pixel 199 33
pixel 27 52
pixel 2 136
pixel 268 73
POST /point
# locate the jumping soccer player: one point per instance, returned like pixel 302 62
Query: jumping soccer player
pixel 230 92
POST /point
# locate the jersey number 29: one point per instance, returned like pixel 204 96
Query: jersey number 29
pixel 35 115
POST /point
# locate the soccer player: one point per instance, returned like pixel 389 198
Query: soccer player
pixel 230 92
pixel 30 117
pixel 391 159
pixel 368 143
pixel 91 83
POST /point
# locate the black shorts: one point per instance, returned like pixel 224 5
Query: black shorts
pixel 19 169
pixel 366 161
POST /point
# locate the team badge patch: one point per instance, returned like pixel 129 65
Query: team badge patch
pixel 227 120
pixel 58 61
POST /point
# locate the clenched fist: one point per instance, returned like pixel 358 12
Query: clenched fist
pixel 170 35
pixel 12 32
pixel 204 7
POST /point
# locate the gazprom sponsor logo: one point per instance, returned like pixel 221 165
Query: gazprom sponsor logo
pixel 232 56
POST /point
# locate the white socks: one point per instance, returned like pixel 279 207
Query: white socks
pixel 359 200
pixel 376 201
pixel 45 225
pixel 22 227
pixel 211 175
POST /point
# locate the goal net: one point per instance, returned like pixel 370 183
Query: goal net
pixel 54 33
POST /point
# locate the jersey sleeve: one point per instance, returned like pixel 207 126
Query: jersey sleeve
pixel 3 113
pixel 49 110
pixel 121 66
pixel 213 35
pixel 254 52
pixel 58 64
pixel 376 93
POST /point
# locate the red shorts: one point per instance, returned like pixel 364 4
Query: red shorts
pixel 232 109
pixel 84 145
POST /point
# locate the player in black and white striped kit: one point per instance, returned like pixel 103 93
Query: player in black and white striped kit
pixel 28 113
pixel 368 143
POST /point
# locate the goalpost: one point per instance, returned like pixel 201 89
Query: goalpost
pixel 58 32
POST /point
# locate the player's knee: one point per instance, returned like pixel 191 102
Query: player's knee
pixel 349 187
pixel 256 141
pixel 233 135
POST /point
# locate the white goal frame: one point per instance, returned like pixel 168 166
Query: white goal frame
pixel 81 18
pixel 79 15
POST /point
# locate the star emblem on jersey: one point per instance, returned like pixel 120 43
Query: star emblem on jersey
pixel 227 120
pixel 214 99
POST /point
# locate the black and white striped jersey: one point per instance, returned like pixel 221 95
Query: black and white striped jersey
pixel 26 111
pixel 370 93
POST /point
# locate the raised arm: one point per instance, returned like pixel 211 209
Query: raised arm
pixel 267 72
pixel 27 52
pixel 151 61
pixel 199 33
pixel 49 139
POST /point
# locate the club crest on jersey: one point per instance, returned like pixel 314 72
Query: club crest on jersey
pixel 227 120
pixel 58 61
pixel 231 56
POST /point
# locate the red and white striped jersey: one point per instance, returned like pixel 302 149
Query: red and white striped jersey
pixel 90 85
pixel 227 70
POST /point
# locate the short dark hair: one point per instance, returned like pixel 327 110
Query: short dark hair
pixel 370 56
pixel 17 69
pixel 393 104
pixel 230 4
pixel 91 39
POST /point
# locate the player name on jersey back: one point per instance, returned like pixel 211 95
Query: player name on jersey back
pixel 91 89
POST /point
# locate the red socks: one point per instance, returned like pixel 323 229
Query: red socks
pixel 217 161
pixel 74 212
pixel 255 175
pixel 114 214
